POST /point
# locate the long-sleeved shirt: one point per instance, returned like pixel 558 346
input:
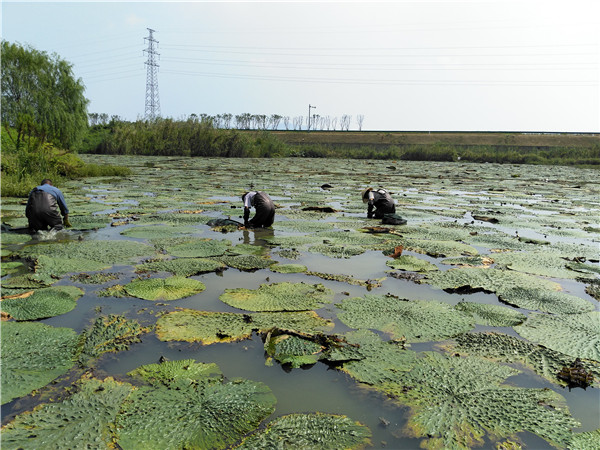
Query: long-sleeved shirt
pixel 57 194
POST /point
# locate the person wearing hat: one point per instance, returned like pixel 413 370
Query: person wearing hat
pixel 265 209
pixel 43 206
pixel 379 203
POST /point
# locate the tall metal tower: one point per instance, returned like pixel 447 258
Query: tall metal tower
pixel 152 110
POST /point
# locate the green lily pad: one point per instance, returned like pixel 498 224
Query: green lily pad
pixel 212 327
pixel 337 251
pixel 205 415
pixel 491 280
pixel 90 222
pixel 411 264
pixel 158 231
pixel 14 238
pixel 59 266
pixel 84 419
pixel 577 335
pixel 278 297
pixel 178 374
pixel 501 347
pixel 172 288
pixel 416 320
pixel 471 402
pixel 492 315
pixel 33 354
pixel 370 360
pixel 545 264
pixel 247 262
pixel 347 279
pixel 438 248
pixel 43 303
pixel 95 278
pixel 192 247
pixel 545 300
pixel 185 267
pixel 101 252
pixel 587 440
pixel 293 350
pixel 317 431
pixel 12 267
pixel 28 281
pixel 117 291
pixel 108 334
pixel 288 268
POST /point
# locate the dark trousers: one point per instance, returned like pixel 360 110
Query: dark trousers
pixel 42 212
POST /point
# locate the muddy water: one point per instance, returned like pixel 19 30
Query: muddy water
pixel 309 389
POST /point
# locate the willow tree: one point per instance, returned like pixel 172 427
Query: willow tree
pixel 42 101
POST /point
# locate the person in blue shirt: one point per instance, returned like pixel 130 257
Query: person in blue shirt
pixel 44 206
pixel 265 209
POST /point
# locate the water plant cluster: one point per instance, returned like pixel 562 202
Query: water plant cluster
pixel 475 324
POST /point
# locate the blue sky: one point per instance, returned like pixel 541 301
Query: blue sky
pixel 459 66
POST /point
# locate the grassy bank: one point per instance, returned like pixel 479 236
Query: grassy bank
pixel 23 169
pixel 197 138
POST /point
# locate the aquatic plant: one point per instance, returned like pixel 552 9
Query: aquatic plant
pixel 577 335
pixel 288 268
pixel 246 262
pixel 416 320
pixel 158 231
pixel 545 300
pixel 43 303
pixel 171 288
pixel 317 431
pixel 292 350
pixel 177 374
pixel 33 354
pixel 192 247
pixel 185 267
pixel 212 327
pixel 411 264
pixel 278 297
pixel 492 315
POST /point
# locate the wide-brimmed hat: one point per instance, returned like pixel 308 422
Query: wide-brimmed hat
pixel 365 194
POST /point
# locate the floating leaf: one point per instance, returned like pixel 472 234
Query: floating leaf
pixel 416 320
pixel 10 267
pixel 14 238
pixel 33 354
pixel 247 262
pixel 48 302
pixel 82 420
pixel 172 288
pixel 58 266
pixel 577 335
pixel 544 361
pixel 185 267
pixel 192 247
pixel 492 315
pixel 537 263
pixel 411 263
pixel 157 231
pixel 293 350
pixel 108 334
pixel 288 268
pixel 278 297
pixel 89 222
pixel 96 278
pixel 545 300
pixel 178 374
pixel 587 440
pixel 347 279
pixel 310 431
pixel 471 402
pixel 438 248
pixel 211 327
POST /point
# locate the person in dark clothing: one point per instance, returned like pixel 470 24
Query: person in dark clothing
pixel 44 206
pixel 265 209
pixel 379 203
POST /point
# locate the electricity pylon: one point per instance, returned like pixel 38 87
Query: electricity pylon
pixel 152 110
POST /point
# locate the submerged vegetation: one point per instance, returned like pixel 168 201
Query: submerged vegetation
pixel 462 328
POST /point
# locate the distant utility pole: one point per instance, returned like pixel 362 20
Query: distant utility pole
pixel 309 107
pixel 152 110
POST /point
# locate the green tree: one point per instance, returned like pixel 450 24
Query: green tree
pixel 41 99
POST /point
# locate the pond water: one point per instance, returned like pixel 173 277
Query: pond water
pixel 563 211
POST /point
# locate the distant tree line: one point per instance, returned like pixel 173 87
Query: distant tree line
pixel 247 121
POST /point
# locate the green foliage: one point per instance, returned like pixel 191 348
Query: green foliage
pixel 33 354
pixel 157 231
pixel 43 303
pixel 41 99
pixel 172 288
pixel 411 263
pixel 416 320
pixel 288 268
pixel 317 431
pixel 212 327
pixel 577 335
pixel 185 267
pixel 178 374
pixel 108 334
pixel 278 297
pixel 293 350
pixel 192 247
pixel 471 402
pixel 545 300
pixel 83 420
pixel 492 315
pixel 247 262
pixel 201 416
pixel 501 347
